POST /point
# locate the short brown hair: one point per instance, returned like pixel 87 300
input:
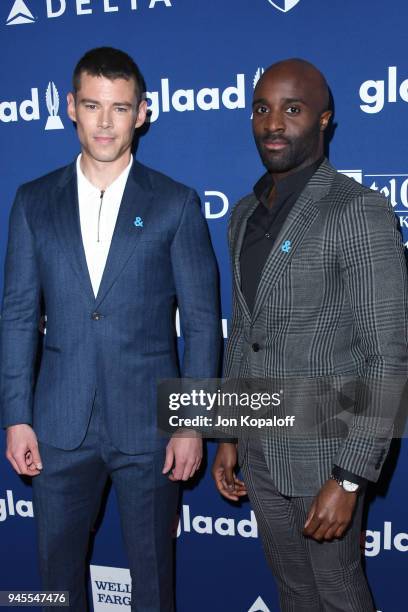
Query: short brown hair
pixel 110 63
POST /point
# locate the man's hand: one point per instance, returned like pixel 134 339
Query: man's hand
pixel 223 472
pixel 330 513
pixel 184 455
pixel 22 450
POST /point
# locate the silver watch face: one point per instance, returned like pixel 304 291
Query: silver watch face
pixel 351 487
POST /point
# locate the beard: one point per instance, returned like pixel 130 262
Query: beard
pixel 298 152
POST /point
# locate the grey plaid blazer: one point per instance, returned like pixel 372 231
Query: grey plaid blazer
pixel 330 323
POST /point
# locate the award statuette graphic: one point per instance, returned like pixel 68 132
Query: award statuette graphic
pixel 259 72
pixel 52 99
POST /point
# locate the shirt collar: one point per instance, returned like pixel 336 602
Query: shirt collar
pixel 87 188
pixel 295 182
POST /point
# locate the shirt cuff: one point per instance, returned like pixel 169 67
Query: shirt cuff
pixel 341 474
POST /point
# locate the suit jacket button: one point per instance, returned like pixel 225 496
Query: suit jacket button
pixel 255 347
pixel 95 316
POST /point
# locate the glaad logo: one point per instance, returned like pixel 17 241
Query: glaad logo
pixel 284 5
pixel 373 92
pixel 29 110
pixel 372 544
pixel 246 528
pixel 19 14
pixel 259 606
pixel 206 99
pixel 8 507
pixel 52 99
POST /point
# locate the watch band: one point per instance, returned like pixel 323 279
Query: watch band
pixel 347 485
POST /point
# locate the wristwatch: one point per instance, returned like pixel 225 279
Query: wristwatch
pixel 347 485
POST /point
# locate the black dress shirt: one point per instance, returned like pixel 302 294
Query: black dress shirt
pixel 265 223
pixel 262 229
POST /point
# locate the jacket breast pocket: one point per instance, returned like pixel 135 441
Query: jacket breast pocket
pixel 311 258
pixel 156 237
pixel 53 349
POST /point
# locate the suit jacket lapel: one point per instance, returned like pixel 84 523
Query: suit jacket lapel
pixel 136 202
pixel 293 231
pixel 236 253
pixel 65 213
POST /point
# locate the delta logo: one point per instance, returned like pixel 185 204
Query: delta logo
pixel 259 606
pixel 21 14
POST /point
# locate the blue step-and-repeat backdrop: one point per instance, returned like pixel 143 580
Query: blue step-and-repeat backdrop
pixel 201 59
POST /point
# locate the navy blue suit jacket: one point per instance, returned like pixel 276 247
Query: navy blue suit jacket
pixel 121 354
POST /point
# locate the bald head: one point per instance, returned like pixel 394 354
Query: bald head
pixel 305 75
pixel 290 115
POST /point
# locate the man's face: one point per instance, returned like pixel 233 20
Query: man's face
pixel 288 121
pixel 106 113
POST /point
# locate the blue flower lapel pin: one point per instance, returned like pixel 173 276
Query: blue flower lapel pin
pixel 138 222
pixel 286 246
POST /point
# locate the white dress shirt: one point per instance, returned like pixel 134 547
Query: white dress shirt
pixel 98 211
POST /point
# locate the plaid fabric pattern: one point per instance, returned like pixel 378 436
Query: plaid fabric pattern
pixel 330 309
pixel 311 576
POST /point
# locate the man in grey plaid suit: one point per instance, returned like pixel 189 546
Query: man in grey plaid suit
pixel 319 294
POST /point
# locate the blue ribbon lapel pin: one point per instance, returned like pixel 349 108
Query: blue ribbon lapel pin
pixel 286 246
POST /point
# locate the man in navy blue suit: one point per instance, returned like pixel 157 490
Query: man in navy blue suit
pixel 110 248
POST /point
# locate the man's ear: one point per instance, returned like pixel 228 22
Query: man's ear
pixel 324 120
pixel 71 110
pixel 141 114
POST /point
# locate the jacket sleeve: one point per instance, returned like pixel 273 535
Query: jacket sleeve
pixel 373 268
pixel 19 320
pixel 233 353
pixel 196 278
